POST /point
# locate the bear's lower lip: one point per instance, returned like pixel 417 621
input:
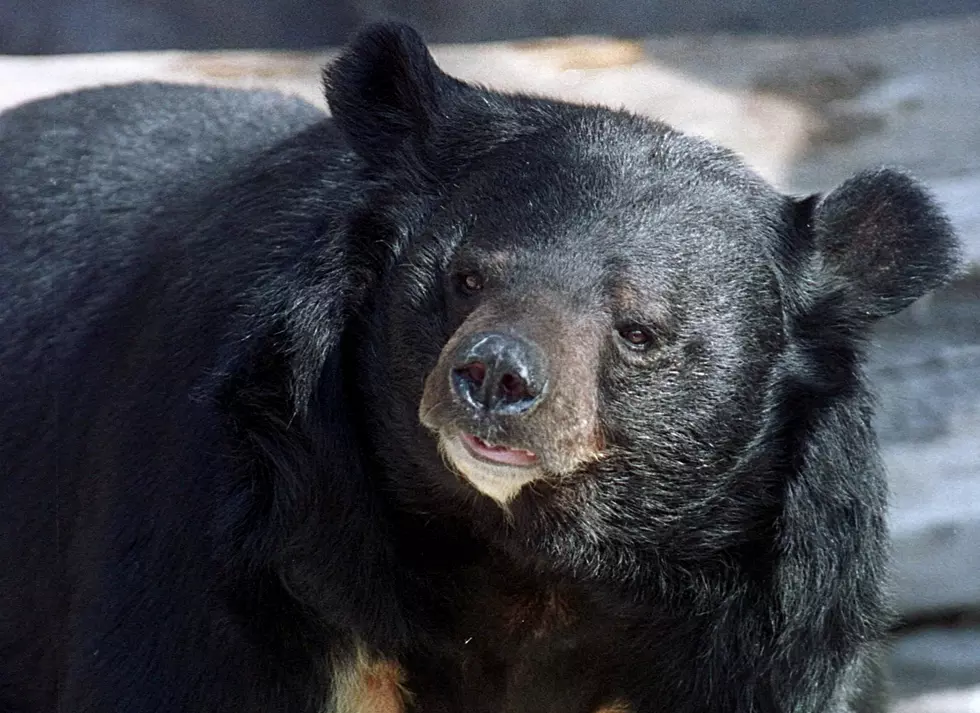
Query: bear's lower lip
pixel 498 454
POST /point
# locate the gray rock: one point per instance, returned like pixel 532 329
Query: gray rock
pixel 936 659
pixel 950 701
pixel 926 370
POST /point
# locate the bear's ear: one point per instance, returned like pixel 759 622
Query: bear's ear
pixel 384 92
pixel 886 236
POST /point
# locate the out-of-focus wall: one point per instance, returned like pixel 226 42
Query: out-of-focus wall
pixel 59 26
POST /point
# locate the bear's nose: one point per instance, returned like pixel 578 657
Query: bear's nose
pixel 498 373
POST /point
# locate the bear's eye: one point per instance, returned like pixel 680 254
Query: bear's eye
pixel 636 336
pixel 469 282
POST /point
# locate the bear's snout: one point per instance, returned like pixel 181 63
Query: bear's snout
pixel 498 374
pixel 513 397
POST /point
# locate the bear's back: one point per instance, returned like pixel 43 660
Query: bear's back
pixel 83 176
pixel 101 194
pixel 119 287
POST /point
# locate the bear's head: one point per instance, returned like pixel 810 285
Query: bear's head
pixel 588 323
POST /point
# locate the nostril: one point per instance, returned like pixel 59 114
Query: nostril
pixel 497 374
pixel 474 372
pixel 513 389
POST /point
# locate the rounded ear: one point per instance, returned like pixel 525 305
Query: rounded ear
pixel 886 236
pixel 384 92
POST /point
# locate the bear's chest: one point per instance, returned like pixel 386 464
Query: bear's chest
pixel 508 644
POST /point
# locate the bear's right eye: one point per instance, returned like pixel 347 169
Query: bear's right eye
pixel 469 282
pixel 636 337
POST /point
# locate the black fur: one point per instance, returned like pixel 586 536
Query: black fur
pixel 218 311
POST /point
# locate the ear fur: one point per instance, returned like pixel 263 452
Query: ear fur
pixel 886 237
pixel 384 92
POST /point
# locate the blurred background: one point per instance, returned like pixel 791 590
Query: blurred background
pixel 807 92
pixel 48 26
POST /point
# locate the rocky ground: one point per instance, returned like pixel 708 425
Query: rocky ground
pixel 806 113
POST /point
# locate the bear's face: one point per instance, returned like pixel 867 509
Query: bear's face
pixel 604 326
pixel 586 308
pixel 599 321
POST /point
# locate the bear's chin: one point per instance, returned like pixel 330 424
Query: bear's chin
pixel 497 480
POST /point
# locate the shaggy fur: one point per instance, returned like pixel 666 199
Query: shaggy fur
pixel 226 445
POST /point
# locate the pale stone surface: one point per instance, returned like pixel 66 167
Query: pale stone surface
pixel 26 78
pixel 926 370
pixel 965 700
pixel 937 658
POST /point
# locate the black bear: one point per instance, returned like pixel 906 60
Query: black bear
pixel 457 402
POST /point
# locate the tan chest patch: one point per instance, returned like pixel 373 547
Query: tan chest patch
pixel 617 707
pixel 367 684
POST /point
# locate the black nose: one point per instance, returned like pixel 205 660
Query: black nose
pixel 499 373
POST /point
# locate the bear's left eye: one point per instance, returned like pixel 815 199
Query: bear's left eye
pixel 469 282
pixel 636 336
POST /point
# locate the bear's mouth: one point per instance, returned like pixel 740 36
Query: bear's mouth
pixel 497 454
pixel 499 472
